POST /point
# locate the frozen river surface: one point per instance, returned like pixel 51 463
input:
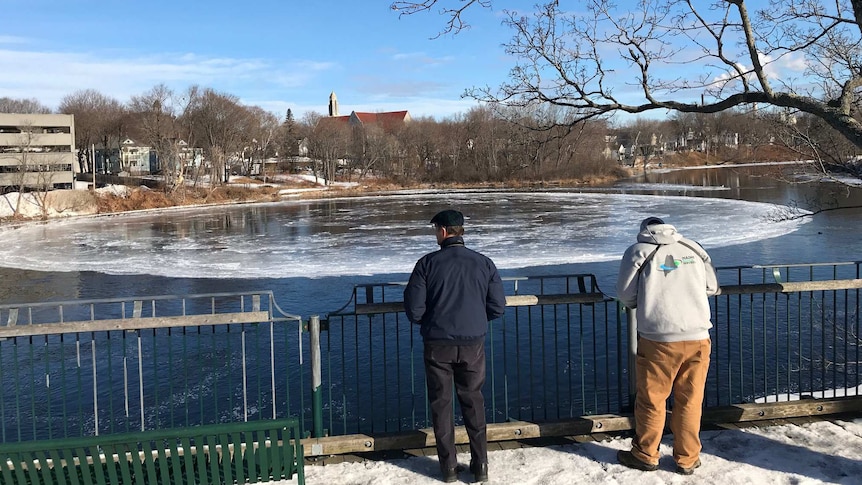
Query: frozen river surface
pixel 376 235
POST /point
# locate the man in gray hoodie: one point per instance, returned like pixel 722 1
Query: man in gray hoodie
pixel 668 280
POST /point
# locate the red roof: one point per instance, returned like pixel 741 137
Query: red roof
pixel 384 118
pixel 389 120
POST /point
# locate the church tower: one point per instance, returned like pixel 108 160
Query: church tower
pixel 333 104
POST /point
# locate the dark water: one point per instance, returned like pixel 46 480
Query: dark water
pixel 830 236
pixel 588 233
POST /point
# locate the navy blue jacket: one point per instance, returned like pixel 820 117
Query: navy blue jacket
pixel 453 293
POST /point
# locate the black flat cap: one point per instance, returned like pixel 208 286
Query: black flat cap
pixel 448 218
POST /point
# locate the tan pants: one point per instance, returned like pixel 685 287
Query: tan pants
pixel 663 367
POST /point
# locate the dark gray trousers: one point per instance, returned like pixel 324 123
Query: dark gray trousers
pixel 465 365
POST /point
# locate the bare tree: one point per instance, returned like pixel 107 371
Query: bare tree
pixel 23 106
pixel 328 144
pixel 220 122
pixel 578 59
pixel 261 139
pixel 156 115
pixel 98 119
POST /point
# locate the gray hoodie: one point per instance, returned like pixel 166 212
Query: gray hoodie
pixel 671 292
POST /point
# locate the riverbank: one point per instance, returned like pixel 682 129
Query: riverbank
pixel 33 206
pixel 15 208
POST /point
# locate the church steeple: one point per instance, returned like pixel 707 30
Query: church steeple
pixel 333 104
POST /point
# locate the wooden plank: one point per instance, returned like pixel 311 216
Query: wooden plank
pixel 598 426
pixel 791 287
pixel 128 324
pixel 511 300
pixel 514 430
pixel 759 412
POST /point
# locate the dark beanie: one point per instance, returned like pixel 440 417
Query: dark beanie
pixel 649 221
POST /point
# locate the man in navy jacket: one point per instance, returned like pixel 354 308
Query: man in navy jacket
pixel 452 294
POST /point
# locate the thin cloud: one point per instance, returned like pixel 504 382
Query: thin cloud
pixel 48 76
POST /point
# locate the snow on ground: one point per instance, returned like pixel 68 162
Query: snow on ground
pixel 78 202
pixel 57 203
pixel 815 453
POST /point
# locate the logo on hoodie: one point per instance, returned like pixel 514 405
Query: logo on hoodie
pixel 670 264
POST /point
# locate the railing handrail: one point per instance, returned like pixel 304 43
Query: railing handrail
pixel 99 301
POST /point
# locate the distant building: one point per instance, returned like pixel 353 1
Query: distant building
pixel 388 120
pixel 138 159
pixel 37 151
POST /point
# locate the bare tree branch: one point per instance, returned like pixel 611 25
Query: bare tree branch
pixel 454 25
pixel 587 59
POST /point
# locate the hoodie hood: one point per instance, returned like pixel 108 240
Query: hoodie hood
pixel 659 234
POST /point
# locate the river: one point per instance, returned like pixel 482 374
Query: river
pixel 311 253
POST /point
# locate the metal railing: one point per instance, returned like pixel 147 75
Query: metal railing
pixel 79 368
pixel 561 351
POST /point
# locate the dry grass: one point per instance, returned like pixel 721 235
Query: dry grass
pixel 142 198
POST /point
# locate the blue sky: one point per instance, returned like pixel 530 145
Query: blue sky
pixel 273 54
pixel 276 54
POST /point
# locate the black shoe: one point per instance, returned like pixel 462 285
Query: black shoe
pixel 450 474
pixel 688 471
pixel 480 472
pixel 628 459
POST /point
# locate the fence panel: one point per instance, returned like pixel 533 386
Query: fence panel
pixel 71 369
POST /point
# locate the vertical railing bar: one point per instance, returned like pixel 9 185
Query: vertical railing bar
pixel 16 371
pixel 398 394
pixel 79 384
pixel 518 361
pixel 569 357
pixel 504 344
pixel 187 394
pixel 775 345
pixel 751 318
pixel 214 343
pixel 846 326
pixel 582 367
pixel 385 380
pixel 371 379
pixel 125 380
pixel 356 369
pixel 595 359
pixel 64 386
pixel 110 371
pixel 33 381
pixel 799 339
pixel 811 342
pixel 170 351
pixel 95 385
pixel 139 341
pixel 609 407
pixel 199 337
pixel 244 373
pixel 532 369
pixel 272 363
pixel 3 401
pixel 824 338
pixel 256 355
